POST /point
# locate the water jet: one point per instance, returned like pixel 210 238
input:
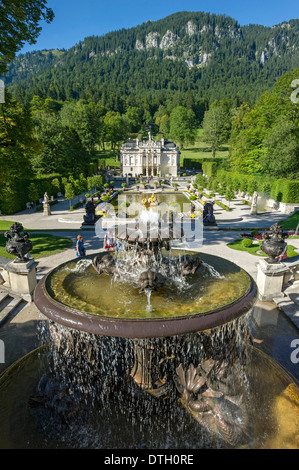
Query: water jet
pixel 153 342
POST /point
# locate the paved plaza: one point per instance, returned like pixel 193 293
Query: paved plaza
pixel 25 325
pixel 64 223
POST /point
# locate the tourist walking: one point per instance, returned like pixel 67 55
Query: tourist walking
pixel 80 249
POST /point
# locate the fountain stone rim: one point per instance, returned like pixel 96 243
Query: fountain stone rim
pixel 141 328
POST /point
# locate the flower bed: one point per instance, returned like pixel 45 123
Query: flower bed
pixel 259 236
pixel 255 249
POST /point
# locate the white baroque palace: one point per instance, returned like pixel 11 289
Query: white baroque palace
pixel 150 158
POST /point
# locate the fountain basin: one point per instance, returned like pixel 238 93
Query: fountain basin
pixel 271 415
pixel 60 305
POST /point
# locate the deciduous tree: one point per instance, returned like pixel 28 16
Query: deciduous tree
pixel 19 23
pixel 182 125
pixel 216 125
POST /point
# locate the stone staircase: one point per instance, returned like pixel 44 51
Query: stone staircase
pixel 10 305
pixel 289 303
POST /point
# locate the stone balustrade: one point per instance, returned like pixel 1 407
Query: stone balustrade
pixel 272 279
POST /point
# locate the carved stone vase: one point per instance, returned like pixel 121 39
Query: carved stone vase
pixel 18 242
pixel 274 244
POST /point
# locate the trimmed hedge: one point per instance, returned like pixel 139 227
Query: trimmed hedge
pixel 92 168
pixel 285 191
pixel 192 163
pixel 15 194
pixel 199 163
pixel 281 190
pixel 209 168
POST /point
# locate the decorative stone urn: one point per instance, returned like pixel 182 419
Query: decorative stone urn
pixel 208 214
pixel 18 242
pixel 89 217
pixel 274 244
pixel 20 274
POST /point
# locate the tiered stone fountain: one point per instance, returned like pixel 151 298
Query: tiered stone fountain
pixel 154 343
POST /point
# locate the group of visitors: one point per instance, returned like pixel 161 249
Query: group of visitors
pixel 109 244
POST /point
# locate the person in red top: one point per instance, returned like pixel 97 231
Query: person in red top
pixel 109 241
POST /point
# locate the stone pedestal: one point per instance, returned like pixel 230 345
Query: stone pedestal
pixel 21 278
pixel 270 280
pixel 265 314
pixel 253 209
pixel 47 209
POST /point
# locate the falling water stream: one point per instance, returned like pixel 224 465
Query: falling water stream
pixel 148 293
pixel 202 390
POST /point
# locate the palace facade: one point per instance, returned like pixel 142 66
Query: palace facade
pixel 150 158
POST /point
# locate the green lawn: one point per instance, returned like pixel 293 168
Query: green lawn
pixel 291 223
pixel 201 149
pixel 108 156
pixel 5 225
pixel 43 245
pixel 256 250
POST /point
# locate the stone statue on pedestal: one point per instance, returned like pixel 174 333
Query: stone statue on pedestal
pixel 253 209
pixel 46 204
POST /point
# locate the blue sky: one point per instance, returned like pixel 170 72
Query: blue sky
pixel 77 19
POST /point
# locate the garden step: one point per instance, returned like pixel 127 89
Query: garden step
pixel 3 296
pixel 289 307
pixel 293 293
pixel 13 306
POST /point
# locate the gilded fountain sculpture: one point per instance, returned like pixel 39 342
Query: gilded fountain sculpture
pixel 193 358
pixel 147 237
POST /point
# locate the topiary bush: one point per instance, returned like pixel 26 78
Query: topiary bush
pixel 246 243
pixel 254 233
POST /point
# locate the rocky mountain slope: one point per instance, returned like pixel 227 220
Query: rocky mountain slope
pixel 210 54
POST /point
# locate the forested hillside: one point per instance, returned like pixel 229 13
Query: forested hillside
pixel 210 55
pixel 191 77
